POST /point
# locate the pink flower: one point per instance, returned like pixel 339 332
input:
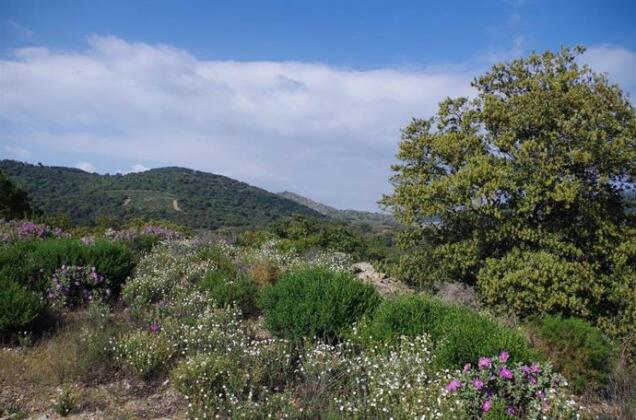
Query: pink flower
pixel 535 368
pixel 154 327
pixel 486 406
pixel 505 373
pixel 467 367
pixel 454 385
pixel 504 356
pixel 478 384
pixel 484 362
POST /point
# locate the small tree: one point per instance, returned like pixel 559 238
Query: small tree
pixel 536 163
pixel 14 202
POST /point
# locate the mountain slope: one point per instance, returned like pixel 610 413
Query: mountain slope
pixel 376 221
pixel 192 198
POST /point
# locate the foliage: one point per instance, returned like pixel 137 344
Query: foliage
pixel 526 391
pixel 40 259
pixel 146 353
pixel 536 282
pixel 316 302
pixel 15 230
pixel 186 197
pixel 65 403
pixel 535 165
pixel 458 333
pixel 240 291
pixel 73 286
pixel 14 202
pixel 19 307
pixel 577 349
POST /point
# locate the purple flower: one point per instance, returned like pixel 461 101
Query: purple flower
pixel 504 356
pixel 154 328
pixel 454 385
pixel 535 368
pixel 486 406
pixel 505 373
pixel 511 411
pixel 478 384
pixel 532 380
pixel 541 395
pixel 484 362
pixel 525 370
pixel 467 367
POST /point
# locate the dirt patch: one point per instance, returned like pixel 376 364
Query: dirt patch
pixel 385 285
pixel 175 205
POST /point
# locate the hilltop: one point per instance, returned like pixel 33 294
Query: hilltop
pixel 377 221
pixel 192 198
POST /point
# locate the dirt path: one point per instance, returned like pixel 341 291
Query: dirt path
pixel 175 205
pixel 127 201
pixel 386 286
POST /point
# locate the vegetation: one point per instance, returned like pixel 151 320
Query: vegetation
pixel 578 350
pixel 191 198
pixel 14 202
pixel 516 194
pixel 315 302
pixel 458 334
pixel 528 182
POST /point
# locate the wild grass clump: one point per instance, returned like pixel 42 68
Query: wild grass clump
pixel 458 333
pixel 316 302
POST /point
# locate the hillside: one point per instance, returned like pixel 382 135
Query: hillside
pixel 377 221
pixel 192 198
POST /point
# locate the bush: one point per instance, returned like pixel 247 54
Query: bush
pixel 577 349
pixel 529 283
pixel 265 272
pixel 495 388
pixel 459 334
pixel 240 291
pixel 40 259
pixel 73 286
pixel 18 307
pixel 316 302
pixel 146 353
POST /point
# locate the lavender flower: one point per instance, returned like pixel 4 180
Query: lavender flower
pixel 454 385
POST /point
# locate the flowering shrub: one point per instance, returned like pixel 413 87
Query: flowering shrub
pixel 161 273
pixel 14 230
pixel 378 382
pixel 146 353
pixel 73 286
pixel 528 391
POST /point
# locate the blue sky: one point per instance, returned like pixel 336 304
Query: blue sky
pixel 296 95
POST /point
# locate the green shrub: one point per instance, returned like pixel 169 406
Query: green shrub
pixel 223 263
pixel 529 283
pixel 40 259
pixel 18 307
pixel 316 302
pixel 459 334
pixel 146 353
pixel 240 291
pixel 577 349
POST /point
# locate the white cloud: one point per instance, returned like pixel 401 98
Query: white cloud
pixel 618 62
pixel 86 167
pixel 138 167
pixel 326 132
pixel 16 152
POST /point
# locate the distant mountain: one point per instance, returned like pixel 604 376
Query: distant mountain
pixel 376 221
pixel 184 196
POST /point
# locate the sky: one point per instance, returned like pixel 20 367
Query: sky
pixel 304 96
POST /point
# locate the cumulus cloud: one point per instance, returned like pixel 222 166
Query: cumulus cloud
pixel 86 167
pixel 323 131
pixel 618 62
